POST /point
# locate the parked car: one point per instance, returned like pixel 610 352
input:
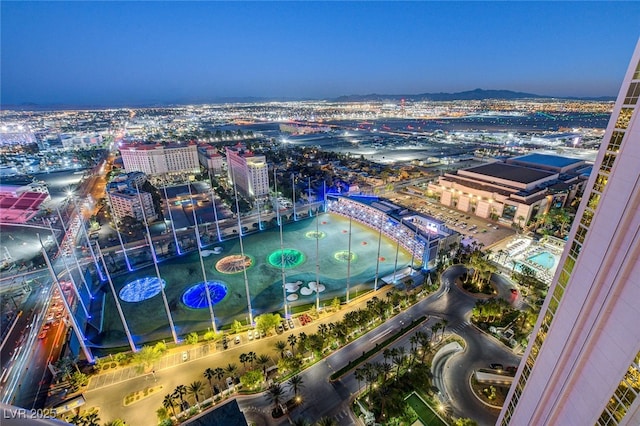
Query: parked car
pixel 237 340
pixel 496 366
pixel 279 329
pixel 250 335
pixel 185 356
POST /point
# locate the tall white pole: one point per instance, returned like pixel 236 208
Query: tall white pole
pixel 284 288
pixel 66 267
pixel 349 258
pixel 204 273
pixel 173 228
pixel 115 299
pixel 395 265
pixel 124 250
pixel 86 236
pixel 244 263
pixel 155 264
pixel 75 258
pixel 413 247
pixel 215 211
pixel 381 219
pixel 293 190
pixel 275 190
pixel 317 261
pixel 74 324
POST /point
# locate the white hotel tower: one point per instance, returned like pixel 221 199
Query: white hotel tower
pixel 582 365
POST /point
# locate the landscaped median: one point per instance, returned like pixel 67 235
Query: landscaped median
pixel 379 346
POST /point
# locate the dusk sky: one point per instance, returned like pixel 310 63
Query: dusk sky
pixel 134 53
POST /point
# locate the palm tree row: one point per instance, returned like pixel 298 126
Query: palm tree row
pixel 374 374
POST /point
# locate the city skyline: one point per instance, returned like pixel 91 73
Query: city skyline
pixel 128 54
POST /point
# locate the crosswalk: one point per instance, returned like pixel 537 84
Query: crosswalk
pixel 343 418
pixel 457 328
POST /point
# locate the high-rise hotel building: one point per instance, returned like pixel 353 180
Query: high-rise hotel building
pixel 249 171
pixel 156 159
pixel 582 365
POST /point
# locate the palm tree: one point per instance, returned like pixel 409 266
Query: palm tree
pixel 262 361
pixel 399 359
pixel 358 374
pixel 243 360
pixel 444 325
pixel 295 384
pixel 195 389
pixel 323 329
pixel 280 346
pixel 292 339
pixel 275 394
pixel 209 374
pixel 232 369
pixel 434 329
pixel 219 373
pixel 326 421
pixel 385 368
pixel 251 357
pixel 91 419
pixel 386 354
pixel 179 392
pixel 167 402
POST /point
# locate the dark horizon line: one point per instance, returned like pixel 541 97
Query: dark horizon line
pixel 476 94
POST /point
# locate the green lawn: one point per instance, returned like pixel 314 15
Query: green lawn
pixel 425 413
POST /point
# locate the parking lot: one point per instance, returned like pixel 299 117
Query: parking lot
pixel 484 231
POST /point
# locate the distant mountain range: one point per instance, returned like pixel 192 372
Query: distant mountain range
pixel 469 95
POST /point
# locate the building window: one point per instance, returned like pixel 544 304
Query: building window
pixel 581 233
pixel 616 140
pixel 623 118
pixel 601 182
pixel 631 97
pixel 594 200
pixel 607 162
pixel 587 217
pixel 636 74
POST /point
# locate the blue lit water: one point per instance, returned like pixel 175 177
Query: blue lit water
pixel 543 259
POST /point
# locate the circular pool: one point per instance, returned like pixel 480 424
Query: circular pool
pixel 313 235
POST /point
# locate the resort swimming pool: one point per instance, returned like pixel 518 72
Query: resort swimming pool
pixel 544 259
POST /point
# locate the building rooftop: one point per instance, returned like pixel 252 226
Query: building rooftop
pixel 545 160
pixel 510 172
pixel 228 414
